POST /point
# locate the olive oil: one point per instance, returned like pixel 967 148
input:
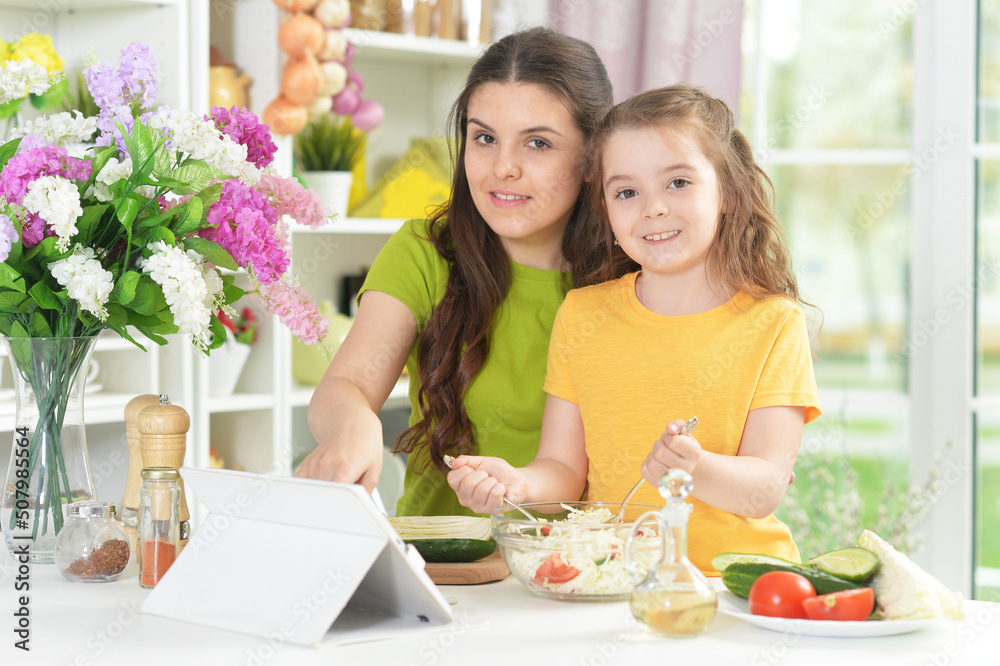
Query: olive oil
pixel 674 612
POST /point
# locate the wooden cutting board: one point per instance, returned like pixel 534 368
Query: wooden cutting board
pixel 488 569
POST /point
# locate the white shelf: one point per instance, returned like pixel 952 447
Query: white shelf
pixel 398 397
pixel 388 46
pixel 356 225
pixel 240 402
pixel 79 5
pixel 98 408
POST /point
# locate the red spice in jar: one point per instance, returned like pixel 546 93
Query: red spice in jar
pixel 156 558
pixel 107 560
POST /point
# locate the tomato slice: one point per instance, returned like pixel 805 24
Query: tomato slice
pixel 554 570
pixel 780 594
pixel 845 606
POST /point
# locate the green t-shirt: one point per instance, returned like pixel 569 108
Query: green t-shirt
pixel 505 401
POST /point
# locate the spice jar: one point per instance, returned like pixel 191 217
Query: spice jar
pixel 159 522
pixel 92 547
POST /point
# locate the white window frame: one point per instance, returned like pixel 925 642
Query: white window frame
pixel 943 191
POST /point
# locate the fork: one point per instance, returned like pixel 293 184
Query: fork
pixel 686 430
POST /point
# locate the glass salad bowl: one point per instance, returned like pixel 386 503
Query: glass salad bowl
pixel 575 550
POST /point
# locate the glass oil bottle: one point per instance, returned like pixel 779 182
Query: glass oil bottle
pixel 672 598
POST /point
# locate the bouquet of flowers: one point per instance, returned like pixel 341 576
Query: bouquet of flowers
pixel 133 235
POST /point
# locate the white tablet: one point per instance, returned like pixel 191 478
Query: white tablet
pixel 309 561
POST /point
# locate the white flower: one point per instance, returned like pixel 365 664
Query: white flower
pixel 110 174
pixel 19 78
pixel 190 133
pixel 191 299
pixel 85 280
pixel 59 129
pixel 57 201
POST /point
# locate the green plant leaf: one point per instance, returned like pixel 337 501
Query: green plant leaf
pixel 92 214
pixel 192 217
pixel 232 293
pixel 212 251
pixel 192 177
pixel 38 326
pixel 10 301
pixel 7 151
pixel 44 252
pixel 100 160
pixel 127 211
pixel 17 330
pixel 218 333
pixel 51 98
pixel 210 195
pixel 10 108
pixel 44 296
pixel 161 234
pixel 11 279
pixel 124 290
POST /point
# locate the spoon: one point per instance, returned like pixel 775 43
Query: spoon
pixel 686 430
pixel 448 460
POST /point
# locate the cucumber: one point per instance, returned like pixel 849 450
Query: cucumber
pixel 855 564
pixel 739 577
pixel 453 550
pixel 722 561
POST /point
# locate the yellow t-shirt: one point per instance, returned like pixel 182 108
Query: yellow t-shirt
pixel 633 371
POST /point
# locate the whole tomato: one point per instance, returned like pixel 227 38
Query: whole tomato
pixel 780 594
pixel 845 606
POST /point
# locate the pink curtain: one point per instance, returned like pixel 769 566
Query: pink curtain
pixel 650 43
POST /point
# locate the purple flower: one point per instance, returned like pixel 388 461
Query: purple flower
pixel 243 223
pixel 137 71
pixel 104 84
pixel 8 236
pixel 244 128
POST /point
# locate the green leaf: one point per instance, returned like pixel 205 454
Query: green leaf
pixel 17 330
pixel 52 97
pixel 210 195
pixel 92 214
pixel 122 331
pixel 144 159
pixel 127 210
pixel 212 252
pixel 11 279
pixel 44 296
pixel 218 333
pixel 8 149
pixel 191 219
pixel 10 301
pixel 100 160
pixel 161 234
pixel 124 291
pixel 38 326
pixel 232 293
pixel 44 252
pixel 10 108
pixel 192 177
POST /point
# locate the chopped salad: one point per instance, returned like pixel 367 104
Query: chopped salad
pixel 571 557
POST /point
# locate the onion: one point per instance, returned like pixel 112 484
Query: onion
pixel 285 117
pixel 301 80
pixel 334 78
pixel 333 13
pixel 300 34
pixel 335 46
pixel 296 5
pixel 347 102
pixel 368 116
pixel 320 106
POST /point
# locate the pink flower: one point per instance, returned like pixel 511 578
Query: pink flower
pixel 289 197
pixel 295 309
pixel 243 223
pixel 244 128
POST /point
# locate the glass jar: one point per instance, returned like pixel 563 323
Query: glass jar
pixel 159 522
pixel 92 547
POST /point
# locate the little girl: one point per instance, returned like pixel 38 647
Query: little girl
pixel 710 326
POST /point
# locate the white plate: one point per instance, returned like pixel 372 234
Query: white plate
pixel 733 606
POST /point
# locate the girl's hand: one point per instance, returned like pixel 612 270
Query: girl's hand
pixel 672 450
pixel 481 482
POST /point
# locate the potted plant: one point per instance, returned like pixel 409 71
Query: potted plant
pixel 326 151
pixel 226 363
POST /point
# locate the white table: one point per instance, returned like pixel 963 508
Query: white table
pixel 496 623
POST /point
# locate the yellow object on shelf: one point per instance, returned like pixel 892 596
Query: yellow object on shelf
pixel 309 362
pixel 420 180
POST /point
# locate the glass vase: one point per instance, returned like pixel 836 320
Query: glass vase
pixel 49 466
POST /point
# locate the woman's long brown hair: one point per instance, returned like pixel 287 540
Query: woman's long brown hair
pixel 455 343
pixel 750 252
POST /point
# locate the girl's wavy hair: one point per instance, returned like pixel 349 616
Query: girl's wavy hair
pixel 455 343
pixel 750 252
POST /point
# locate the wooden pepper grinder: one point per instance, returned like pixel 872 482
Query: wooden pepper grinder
pixel 162 440
pixel 130 502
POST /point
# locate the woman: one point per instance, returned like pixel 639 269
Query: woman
pixel 466 299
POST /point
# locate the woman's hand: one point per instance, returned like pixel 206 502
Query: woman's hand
pixel 672 450
pixel 343 412
pixel 481 482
